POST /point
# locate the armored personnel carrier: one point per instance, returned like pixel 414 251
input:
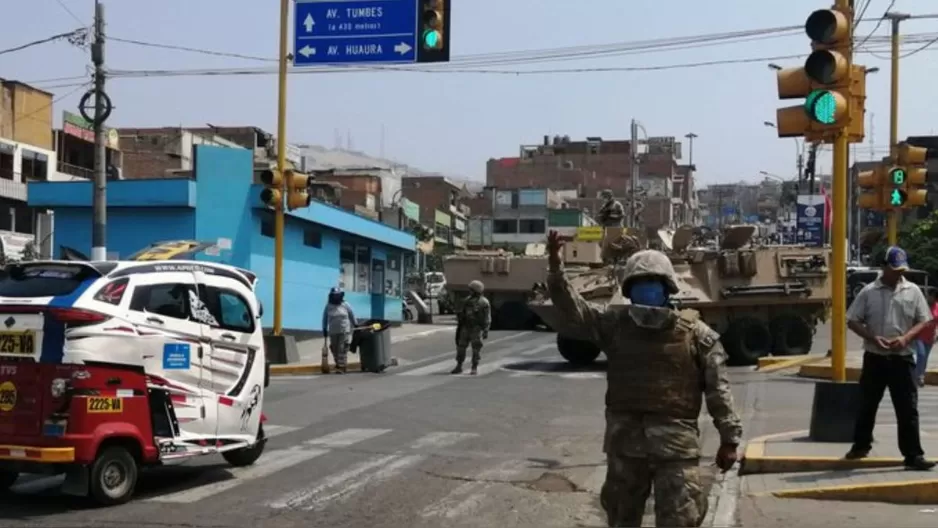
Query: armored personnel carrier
pixel 762 299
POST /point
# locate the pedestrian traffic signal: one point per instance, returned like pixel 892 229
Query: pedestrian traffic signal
pixel 297 190
pixel 910 163
pixel 873 189
pixel 434 31
pixel 833 89
pixel 272 195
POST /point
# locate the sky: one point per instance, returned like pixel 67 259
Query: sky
pixel 453 122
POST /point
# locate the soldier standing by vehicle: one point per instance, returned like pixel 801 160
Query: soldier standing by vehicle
pixel 663 363
pixel 611 214
pixel 338 321
pixel 472 326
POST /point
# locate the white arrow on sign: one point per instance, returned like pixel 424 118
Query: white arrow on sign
pixel 306 51
pixel 402 48
pixel 309 23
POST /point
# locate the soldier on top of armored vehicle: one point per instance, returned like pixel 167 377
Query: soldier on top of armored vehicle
pixel 611 214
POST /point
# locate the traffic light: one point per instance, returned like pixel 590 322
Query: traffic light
pixel 833 89
pixel 297 190
pixel 895 186
pixel 434 31
pixel 873 188
pixel 911 167
pixel 272 195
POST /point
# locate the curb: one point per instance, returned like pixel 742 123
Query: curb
pixel 776 363
pixel 299 369
pixel 902 492
pixel 755 461
pixel 853 373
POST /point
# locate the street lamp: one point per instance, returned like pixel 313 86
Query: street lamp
pixel 799 151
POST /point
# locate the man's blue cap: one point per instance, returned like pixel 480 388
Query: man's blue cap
pixel 896 258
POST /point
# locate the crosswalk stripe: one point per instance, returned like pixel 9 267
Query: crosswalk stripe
pixel 445 365
pixel 468 496
pixel 440 440
pixel 389 471
pixel 269 463
pixel 271 431
pixel 538 349
pixel 346 437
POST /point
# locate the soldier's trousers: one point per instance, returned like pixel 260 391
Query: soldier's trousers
pixel 338 343
pixel 467 337
pixel 679 497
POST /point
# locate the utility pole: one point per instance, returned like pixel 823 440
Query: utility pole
pixel 686 190
pixel 892 216
pixel 633 175
pixel 281 164
pixel 101 111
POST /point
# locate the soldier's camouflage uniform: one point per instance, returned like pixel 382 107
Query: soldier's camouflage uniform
pixel 656 382
pixel 473 321
pixel 612 213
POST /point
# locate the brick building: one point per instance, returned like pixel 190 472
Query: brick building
pixel 441 201
pixel 166 152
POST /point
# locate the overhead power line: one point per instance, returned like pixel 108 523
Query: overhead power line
pixel 74 36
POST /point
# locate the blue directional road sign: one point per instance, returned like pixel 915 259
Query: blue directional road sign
pixel 344 32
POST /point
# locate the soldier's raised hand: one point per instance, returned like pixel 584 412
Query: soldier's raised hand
pixel 554 247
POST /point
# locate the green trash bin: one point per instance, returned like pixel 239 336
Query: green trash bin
pixel 374 345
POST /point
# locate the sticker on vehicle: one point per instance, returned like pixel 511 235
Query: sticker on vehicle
pixel 7 396
pixel 177 356
pixel 105 405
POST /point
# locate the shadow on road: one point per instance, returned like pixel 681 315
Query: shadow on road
pixel 559 366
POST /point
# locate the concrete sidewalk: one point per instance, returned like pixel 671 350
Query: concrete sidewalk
pixel 819 367
pixel 789 465
pixel 310 350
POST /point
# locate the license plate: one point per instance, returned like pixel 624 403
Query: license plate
pixel 105 405
pixel 22 343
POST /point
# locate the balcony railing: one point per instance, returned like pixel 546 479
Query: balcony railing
pixel 75 170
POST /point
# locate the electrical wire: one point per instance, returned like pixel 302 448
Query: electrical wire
pixel 60 36
pixel 72 13
pixel 79 86
pixel 879 23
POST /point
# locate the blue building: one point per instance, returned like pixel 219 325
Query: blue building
pixel 323 246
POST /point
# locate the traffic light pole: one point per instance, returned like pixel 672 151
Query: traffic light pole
pixel 839 258
pixel 281 162
pixel 892 216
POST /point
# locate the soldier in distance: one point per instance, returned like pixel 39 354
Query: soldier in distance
pixel 611 214
pixel 472 327
pixel 663 364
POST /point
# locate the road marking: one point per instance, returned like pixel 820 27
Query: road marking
pixel 441 439
pixel 346 437
pixel 468 496
pixel 383 474
pixel 439 366
pixel 269 463
pixel 271 431
pixel 300 497
pixel 538 349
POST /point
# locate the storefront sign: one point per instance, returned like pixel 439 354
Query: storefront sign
pixel 76 126
pixel 411 209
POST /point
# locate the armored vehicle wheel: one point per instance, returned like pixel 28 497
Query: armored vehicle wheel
pixel 113 476
pixel 514 316
pixel 7 479
pixel 247 456
pixel 577 352
pixel 746 340
pixel 791 335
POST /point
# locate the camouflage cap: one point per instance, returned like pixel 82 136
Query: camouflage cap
pixel 476 286
pixel 652 264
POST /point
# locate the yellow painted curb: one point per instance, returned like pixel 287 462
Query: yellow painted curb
pixel 756 462
pixel 300 369
pixel 773 364
pixel 903 492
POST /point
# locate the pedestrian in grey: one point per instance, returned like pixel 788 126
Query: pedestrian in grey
pixel 472 327
pixel 338 322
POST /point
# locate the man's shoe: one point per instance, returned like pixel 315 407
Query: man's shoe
pixel 857 454
pixel 919 464
pixel 457 370
pixel 474 371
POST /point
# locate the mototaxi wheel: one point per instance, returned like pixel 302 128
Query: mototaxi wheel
pixel 7 479
pixel 113 476
pixel 247 456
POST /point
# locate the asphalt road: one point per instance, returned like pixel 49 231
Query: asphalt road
pixel 519 445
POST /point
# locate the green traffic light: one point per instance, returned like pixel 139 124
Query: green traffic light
pixel 896 198
pixel 821 106
pixel 431 38
pixel 898 176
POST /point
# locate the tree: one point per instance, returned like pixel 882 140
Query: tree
pixel 920 241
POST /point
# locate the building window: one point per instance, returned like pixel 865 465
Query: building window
pixel 312 238
pixel 362 268
pixel 267 227
pixel 532 226
pixel 347 263
pixel 35 166
pixel 393 276
pixel 505 227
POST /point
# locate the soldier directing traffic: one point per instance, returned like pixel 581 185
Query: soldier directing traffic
pixel 663 363
pixel 472 326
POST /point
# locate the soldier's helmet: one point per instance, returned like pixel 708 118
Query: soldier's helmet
pixel 649 263
pixel 606 194
pixel 476 286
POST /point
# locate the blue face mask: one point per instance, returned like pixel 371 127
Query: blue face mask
pixel 648 294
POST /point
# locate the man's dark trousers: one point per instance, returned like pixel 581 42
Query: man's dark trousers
pixel 897 373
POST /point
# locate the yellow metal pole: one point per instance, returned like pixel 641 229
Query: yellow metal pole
pixel 891 217
pixel 281 162
pixel 838 266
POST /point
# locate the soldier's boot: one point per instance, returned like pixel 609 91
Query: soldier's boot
pixel 475 368
pixel 457 370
